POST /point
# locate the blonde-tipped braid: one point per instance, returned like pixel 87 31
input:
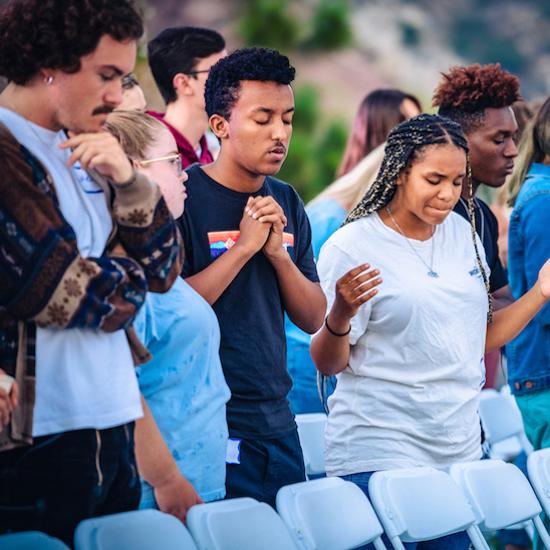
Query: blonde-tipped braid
pixel 472 216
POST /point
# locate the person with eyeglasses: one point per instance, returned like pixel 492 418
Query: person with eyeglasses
pixel 133 98
pixel 180 59
pixel 182 439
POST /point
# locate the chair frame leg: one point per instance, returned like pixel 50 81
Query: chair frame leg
pixel 477 538
pixel 379 544
pixel 541 530
pixel 396 543
pixel 474 533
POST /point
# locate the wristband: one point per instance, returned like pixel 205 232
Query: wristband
pixel 339 334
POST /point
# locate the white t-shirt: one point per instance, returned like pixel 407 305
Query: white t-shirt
pixel 84 378
pixel 409 396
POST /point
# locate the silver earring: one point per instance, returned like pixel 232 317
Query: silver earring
pixel 48 80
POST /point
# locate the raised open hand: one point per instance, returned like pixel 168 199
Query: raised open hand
pixel 353 289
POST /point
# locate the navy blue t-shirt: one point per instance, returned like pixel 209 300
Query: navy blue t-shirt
pixel 487 229
pixel 251 310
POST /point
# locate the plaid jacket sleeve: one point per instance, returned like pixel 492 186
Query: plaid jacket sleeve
pixel 44 278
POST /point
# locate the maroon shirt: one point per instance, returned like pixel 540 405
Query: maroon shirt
pixel 186 151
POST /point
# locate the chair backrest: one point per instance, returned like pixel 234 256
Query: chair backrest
pixel 500 416
pixel 31 540
pixel 328 514
pixel 538 467
pixel 238 524
pixel 416 504
pixel 138 530
pixel 311 431
pixel 497 491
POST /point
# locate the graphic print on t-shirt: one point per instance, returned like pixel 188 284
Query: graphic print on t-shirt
pixel 222 241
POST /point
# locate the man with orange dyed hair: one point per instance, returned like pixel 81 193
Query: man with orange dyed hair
pixel 480 98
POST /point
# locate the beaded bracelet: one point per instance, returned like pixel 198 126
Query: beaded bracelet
pixel 336 333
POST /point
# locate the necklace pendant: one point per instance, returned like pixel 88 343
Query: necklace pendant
pixel 433 274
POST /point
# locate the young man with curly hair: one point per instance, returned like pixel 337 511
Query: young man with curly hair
pixel 180 59
pixel 480 98
pixel 248 253
pixel 83 239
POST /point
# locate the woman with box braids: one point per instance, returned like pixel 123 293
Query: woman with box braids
pixel 404 144
pixel 409 351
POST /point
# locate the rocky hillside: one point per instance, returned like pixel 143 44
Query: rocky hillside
pixel 404 43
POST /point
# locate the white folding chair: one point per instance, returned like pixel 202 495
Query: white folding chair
pixel 31 540
pixel 502 424
pixel 238 524
pixel 538 468
pixel 311 431
pixel 500 496
pixel 418 504
pixel 138 530
pixel 329 514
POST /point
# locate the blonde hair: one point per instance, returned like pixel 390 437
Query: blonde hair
pixel 534 147
pixel 136 131
pixel 349 189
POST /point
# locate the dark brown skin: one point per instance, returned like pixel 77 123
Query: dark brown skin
pixel 492 149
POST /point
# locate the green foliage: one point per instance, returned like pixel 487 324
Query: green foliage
pixel 331 27
pixel 267 23
pixel 474 39
pixel 331 148
pixel 316 148
pixel 306 103
pixel 410 35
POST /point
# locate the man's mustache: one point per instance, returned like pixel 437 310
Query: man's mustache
pixel 104 109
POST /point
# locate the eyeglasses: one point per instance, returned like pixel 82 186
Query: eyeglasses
pixel 129 81
pixel 195 73
pixel 174 160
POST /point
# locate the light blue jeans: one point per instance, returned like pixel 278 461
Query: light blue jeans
pixel 303 396
pixel 456 541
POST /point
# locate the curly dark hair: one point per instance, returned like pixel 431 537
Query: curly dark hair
pixel 465 92
pixel 223 84
pixel 178 50
pixel 55 34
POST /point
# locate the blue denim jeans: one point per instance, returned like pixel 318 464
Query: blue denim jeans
pixel 64 478
pixel 265 466
pixel 457 541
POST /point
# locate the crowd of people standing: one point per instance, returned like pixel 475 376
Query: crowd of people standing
pixel 167 304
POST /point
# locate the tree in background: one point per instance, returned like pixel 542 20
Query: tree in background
pixel 316 148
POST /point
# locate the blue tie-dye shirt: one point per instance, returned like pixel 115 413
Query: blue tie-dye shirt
pixel 184 386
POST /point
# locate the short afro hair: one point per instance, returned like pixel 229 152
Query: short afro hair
pixel 178 50
pixel 55 34
pixel 465 92
pixel 223 84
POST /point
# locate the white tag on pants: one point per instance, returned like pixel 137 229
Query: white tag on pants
pixel 233 455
